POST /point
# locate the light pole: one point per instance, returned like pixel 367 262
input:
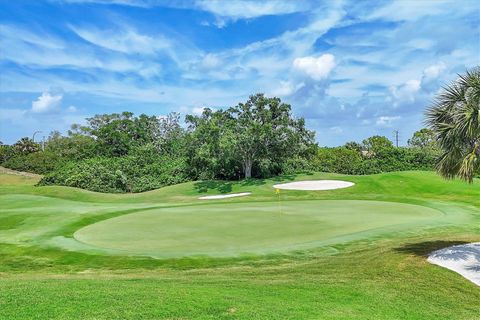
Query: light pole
pixel 33 137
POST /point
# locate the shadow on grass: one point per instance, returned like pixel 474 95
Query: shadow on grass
pixel 225 186
pixel 219 185
pixel 423 249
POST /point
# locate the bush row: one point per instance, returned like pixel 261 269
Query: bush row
pixel 348 161
pixel 36 162
pixel 129 173
pixel 145 169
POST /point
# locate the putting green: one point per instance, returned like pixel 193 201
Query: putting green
pixel 246 228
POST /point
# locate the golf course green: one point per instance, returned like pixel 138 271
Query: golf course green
pixel 353 253
pixel 235 229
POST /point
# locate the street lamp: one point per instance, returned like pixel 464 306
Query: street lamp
pixel 33 137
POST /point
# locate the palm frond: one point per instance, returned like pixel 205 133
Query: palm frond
pixel 454 117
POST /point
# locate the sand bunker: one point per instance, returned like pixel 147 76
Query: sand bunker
pixel 463 259
pixel 314 185
pixel 224 196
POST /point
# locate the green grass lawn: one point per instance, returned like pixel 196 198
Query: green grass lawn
pixel 242 229
pixel 355 253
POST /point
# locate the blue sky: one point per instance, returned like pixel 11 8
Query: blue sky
pixel 352 69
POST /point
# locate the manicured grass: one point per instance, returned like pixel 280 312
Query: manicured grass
pixel 236 229
pixel 327 255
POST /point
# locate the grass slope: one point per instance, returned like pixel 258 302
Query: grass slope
pixel 46 274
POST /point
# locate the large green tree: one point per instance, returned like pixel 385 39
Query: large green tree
pixel 264 129
pixel 353 145
pixel 454 117
pixel 376 143
pixel 210 145
pixel 170 135
pixel 260 133
pixel 117 133
pixel 423 139
pixel 73 147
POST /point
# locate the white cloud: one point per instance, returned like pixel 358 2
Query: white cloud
pixel 406 91
pixel 72 109
pixel 9 33
pixel 317 68
pixel 287 88
pixel 125 41
pixel 336 130
pixel 269 58
pixel 413 90
pixel 196 111
pixel 421 43
pixel 13 115
pixel 411 9
pixel 386 120
pixel 211 61
pixel 131 3
pixel 412 85
pixel 26 48
pixel 46 103
pixel 247 9
pixel 432 72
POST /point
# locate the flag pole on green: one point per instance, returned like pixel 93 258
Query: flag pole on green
pixel 277 191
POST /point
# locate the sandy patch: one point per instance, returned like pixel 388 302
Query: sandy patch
pixel 463 259
pixel 314 185
pixel 225 196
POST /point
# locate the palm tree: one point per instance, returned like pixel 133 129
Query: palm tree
pixel 454 117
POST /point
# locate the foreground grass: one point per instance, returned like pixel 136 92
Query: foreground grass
pixel 383 276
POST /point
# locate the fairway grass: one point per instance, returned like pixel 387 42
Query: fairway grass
pixel 354 253
pixel 319 185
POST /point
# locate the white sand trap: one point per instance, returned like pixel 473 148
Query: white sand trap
pixel 224 196
pixel 463 259
pixel 315 185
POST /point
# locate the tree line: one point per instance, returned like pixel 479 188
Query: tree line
pixel 259 138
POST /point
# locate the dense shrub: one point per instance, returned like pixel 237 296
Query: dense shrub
pixel 349 161
pixel 340 160
pixel 131 173
pixel 26 155
pixel 36 162
pixel 296 165
pixel 6 152
pixel 74 147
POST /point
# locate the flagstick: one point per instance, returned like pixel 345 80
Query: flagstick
pixel 277 191
pixel 280 203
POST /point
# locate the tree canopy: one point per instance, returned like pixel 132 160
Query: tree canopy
pixel 259 135
pixel 377 143
pixel 423 139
